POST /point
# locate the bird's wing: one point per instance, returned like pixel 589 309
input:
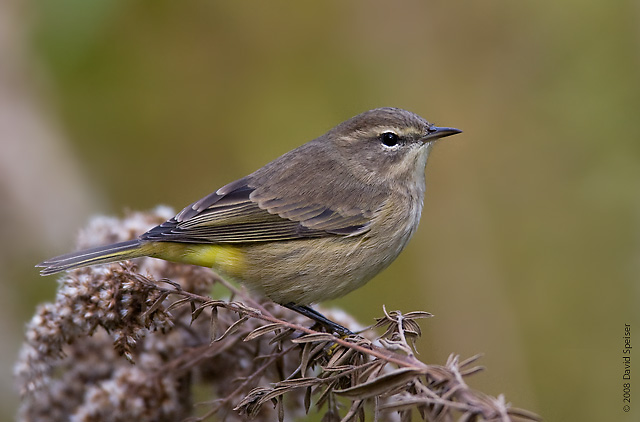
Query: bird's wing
pixel 232 215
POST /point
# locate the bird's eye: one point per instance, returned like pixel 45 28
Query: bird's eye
pixel 389 139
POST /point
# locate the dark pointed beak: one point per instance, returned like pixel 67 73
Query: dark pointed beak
pixel 435 132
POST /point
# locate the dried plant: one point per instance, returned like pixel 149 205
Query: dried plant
pixel 141 341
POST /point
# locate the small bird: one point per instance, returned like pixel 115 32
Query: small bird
pixel 312 225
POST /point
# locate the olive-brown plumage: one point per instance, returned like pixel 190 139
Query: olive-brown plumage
pixel 314 224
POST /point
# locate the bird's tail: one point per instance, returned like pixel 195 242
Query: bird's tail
pixel 100 255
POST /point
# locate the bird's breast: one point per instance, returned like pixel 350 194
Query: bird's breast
pixel 396 222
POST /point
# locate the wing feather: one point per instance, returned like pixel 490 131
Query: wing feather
pixel 231 215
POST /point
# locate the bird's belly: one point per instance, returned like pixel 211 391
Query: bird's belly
pixel 306 271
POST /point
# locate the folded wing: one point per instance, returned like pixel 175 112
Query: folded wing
pixel 233 215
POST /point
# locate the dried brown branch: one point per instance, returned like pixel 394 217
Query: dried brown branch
pixel 247 357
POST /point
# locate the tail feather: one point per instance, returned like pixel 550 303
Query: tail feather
pixel 100 255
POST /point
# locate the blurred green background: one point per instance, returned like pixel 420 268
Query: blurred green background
pixel 529 246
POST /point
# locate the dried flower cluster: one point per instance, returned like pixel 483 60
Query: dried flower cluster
pixel 146 342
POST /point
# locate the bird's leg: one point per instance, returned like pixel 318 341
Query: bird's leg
pixel 319 318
